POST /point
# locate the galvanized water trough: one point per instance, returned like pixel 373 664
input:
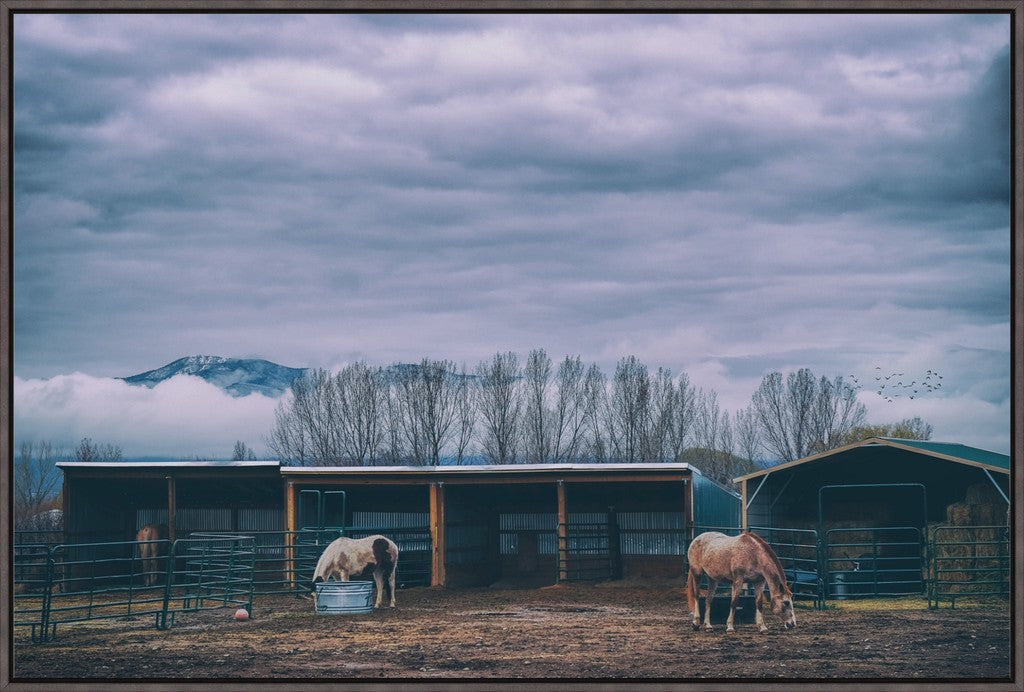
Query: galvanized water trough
pixel 344 597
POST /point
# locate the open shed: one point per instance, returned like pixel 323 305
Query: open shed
pixel 893 515
pixel 110 501
pixel 877 482
pixel 533 523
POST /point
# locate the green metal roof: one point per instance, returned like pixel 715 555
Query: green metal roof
pixel 959 451
pixel 940 450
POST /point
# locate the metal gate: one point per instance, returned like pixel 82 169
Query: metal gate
pixel 871 561
pixel 592 548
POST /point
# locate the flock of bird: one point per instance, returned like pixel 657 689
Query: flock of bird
pixel 890 390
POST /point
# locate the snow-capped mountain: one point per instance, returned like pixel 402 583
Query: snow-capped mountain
pixel 237 376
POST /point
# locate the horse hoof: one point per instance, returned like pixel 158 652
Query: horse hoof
pixel 696 627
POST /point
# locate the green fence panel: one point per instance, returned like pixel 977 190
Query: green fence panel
pixel 968 562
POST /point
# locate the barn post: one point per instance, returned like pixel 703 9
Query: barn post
pixel 171 509
pixel 437 512
pixel 563 535
pixel 289 531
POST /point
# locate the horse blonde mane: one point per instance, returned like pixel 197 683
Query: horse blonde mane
pixel 771 556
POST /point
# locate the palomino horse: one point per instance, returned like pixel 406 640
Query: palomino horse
pixel 152 552
pixel 739 559
pixel 345 557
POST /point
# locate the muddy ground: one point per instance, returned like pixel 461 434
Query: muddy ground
pixel 578 632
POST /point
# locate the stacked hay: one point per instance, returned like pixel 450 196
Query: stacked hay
pixel 969 550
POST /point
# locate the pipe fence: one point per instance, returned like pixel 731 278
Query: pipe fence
pixel 70 583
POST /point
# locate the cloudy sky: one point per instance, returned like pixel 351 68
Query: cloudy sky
pixel 724 195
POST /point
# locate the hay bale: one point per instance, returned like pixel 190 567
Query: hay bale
pixel 958 514
pixel 983 494
pixel 986 514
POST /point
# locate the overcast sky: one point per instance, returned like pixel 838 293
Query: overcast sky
pixel 724 195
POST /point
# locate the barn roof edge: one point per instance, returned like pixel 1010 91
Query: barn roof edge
pixel 950 451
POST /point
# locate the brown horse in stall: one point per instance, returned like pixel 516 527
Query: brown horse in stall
pixel 151 552
pixel 738 559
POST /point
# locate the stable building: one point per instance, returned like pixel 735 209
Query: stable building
pixel 455 525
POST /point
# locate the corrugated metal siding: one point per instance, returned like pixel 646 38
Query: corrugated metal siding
pixel 150 516
pixel 189 519
pixel 409 530
pixel 391 520
pixel 545 524
pixel 652 533
pixel 267 525
pixel 713 505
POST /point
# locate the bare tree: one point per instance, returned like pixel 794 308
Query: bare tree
pixel 242 452
pixel 36 482
pixel 836 412
pixel 684 415
pixel 92 452
pixel 361 393
pixel 707 433
pixel 465 411
pixel 628 409
pixel 595 392
pixel 571 411
pixel 748 436
pixel 500 404
pixel 306 430
pixel 660 418
pixel 427 408
pixel 802 416
pixel 289 440
pixel 538 419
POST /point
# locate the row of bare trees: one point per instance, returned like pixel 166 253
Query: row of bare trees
pixel 507 412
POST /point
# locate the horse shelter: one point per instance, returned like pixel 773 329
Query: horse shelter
pixel 242 529
pixel 888 516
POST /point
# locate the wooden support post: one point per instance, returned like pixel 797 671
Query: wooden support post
pixel 289 527
pixel 171 508
pixel 563 535
pixel 437 514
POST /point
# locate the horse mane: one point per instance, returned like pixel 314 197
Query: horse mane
pixel 771 555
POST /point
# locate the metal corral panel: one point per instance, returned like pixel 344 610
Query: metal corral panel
pixel 713 505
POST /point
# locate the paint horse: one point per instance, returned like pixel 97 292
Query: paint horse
pixel 345 557
pixel 738 559
pixel 152 547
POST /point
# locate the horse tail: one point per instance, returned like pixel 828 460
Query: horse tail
pixel 692 593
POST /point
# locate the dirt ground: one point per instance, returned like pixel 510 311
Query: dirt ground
pixel 571 632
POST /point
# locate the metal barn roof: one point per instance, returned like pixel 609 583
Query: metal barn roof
pixel 948 451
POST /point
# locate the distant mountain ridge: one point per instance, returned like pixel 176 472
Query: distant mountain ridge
pixel 237 376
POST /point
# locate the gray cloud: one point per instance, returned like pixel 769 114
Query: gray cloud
pixel 726 194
